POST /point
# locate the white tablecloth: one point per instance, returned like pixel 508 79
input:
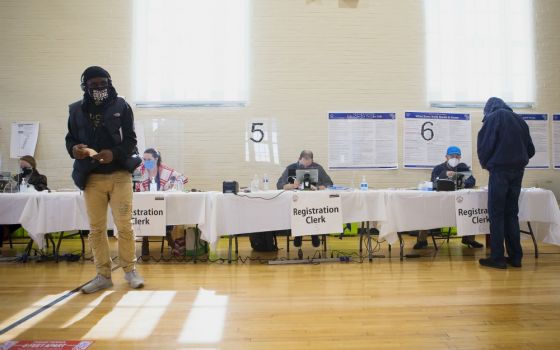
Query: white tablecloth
pixel 44 212
pixel 11 207
pixel 409 210
pixel 270 211
pixel 220 214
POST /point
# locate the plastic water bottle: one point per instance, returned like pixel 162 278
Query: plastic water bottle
pixel 364 184
pixel 255 184
pixel 23 186
pixel 153 185
pixel 265 182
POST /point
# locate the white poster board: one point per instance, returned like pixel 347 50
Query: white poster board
pixel 148 214
pixel 471 213
pixel 140 137
pixel 363 141
pixel 427 135
pixel 556 139
pixel 316 213
pixel 538 126
pixel 23 139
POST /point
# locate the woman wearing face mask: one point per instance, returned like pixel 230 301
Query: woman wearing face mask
pixel 29 173
pixel 449 170
pixel 153 168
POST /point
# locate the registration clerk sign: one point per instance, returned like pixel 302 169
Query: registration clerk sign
pixel 315 213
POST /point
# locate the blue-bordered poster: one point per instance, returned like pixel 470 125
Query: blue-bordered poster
pixel 556 140
pixel 427 135
pixel 362 141
pixel 538 127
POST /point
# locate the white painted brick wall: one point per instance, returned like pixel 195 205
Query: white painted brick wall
pixel 308 57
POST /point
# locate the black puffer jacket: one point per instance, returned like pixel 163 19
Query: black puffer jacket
pixel 504 141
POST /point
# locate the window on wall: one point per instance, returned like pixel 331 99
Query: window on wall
pixel 477 49
pixel 190 52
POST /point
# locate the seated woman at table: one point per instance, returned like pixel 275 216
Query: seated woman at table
pixel 164 178
pixel 449 170
pixel 153 168
pixel 29 173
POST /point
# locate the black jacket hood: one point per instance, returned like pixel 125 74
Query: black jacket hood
pixel 493 104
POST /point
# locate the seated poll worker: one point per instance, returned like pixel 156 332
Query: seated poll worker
pixel 153 168
pixel 288 181
pixel 29 173
pixel 164 177
pixel 449 170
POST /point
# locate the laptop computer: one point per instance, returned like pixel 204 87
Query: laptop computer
pixel 313 175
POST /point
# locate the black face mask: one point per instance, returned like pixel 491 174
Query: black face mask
pixel 26 171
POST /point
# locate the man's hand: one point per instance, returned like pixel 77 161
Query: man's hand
pixel 104 157
pixel 450 173
pixel 293 186
pixel 79 152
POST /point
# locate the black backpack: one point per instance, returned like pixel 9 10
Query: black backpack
pixel 263 241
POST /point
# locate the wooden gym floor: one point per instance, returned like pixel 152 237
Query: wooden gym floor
pixel 438 301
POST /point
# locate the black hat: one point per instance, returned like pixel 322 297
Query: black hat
pixel 94 72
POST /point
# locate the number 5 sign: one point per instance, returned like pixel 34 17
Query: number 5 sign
pixel 257 133
pixel 428 134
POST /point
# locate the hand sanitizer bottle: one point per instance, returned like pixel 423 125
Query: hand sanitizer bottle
pixel 153 185
pixel 255 184
pixel 23 186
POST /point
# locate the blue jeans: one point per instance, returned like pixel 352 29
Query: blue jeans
pixel 503 196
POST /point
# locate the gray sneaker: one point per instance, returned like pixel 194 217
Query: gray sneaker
pixel 98 283
pixel 134 279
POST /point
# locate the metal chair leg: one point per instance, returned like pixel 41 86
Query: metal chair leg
pixel 229 249
pixel 361 234
pixel 401 242
pixel 57 254
pixel 27 251
pixel 534 240
pixel 434 241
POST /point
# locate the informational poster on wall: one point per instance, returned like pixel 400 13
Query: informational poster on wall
pixel 538 126
pixel 363 141
pixel 556 138
pixel 148 214
pixel 427 135
pixel 140 136
pixel 471 212
pixel 23 139
pixel 315 213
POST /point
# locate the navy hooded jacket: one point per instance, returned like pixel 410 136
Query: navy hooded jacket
pixel 504 142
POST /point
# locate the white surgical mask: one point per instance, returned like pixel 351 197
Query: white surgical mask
pixel 453 162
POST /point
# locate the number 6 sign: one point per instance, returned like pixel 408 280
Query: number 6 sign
pixel 428 134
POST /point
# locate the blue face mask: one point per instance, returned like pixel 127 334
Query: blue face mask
pixel 149 164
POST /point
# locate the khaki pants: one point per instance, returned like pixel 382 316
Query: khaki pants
pixel 115 190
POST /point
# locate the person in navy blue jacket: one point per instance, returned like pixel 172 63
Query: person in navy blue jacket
pixel 504 148
pixel 449 170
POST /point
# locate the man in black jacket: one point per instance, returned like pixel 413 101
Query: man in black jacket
pixel 504 148
pixel 101 139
